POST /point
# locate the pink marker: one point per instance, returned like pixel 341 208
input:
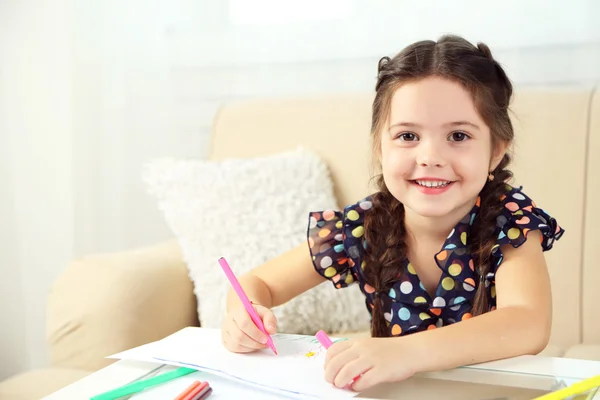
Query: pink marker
pixel 246 302
pixel 324 339
pixel 326 342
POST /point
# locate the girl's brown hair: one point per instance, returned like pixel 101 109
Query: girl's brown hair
pixel 453 58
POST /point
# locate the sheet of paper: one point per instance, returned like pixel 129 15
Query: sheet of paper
pixel 223 388
pixel 296 370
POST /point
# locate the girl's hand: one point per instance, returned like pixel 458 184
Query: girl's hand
pixel 370 361
pixel 239 333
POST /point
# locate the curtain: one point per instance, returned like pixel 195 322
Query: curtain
pixel 85 101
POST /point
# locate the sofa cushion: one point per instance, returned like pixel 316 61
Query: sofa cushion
pixel 552 351
pixel 36 384
pixel 537 112
pixel 584 352
pixel 251 211
pixel 591 273
pixel 136 296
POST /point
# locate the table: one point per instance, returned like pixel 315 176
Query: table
pixel 519 378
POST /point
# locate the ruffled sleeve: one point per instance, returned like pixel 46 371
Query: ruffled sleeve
pixel 521 216
pixel 326 242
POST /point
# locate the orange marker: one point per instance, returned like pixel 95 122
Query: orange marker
pixel 187 391
pixel 199 392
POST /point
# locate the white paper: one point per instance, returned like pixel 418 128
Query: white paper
pixel 296 370
pixel 223 388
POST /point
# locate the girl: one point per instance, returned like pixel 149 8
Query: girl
pixel 448 255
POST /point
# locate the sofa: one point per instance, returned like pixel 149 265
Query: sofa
pixel 102 304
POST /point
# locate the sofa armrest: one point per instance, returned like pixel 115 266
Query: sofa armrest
pixel 107 303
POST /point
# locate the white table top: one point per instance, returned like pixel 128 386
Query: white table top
pixel 518 378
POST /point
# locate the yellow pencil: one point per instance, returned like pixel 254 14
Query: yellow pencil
pixel 574 389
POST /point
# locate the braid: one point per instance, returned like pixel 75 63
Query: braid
pixel 484 230
pixel 386 248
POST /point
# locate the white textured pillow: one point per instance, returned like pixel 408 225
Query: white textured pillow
pixel 250 211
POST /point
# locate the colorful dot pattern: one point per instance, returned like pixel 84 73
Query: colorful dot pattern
pixel 337 246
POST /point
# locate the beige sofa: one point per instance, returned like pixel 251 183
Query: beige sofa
pixel 106 303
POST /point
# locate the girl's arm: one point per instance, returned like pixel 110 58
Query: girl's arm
pixel 279 280
pixel 520 325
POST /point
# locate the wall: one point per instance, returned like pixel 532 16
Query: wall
pixel 267 31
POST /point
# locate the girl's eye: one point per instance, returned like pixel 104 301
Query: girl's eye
pixel 458 136
pixel 407 137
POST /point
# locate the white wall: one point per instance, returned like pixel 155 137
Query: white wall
pixel 92 89
pixel 269 31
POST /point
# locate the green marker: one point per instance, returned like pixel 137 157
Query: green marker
pixel 141 385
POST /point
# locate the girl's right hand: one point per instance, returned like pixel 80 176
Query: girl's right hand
pixel 239 333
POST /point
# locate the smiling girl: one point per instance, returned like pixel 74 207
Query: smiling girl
pixel 448 255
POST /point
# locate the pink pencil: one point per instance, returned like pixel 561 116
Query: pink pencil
pixel 246 302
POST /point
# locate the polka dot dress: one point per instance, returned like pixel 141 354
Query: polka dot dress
pixel 337 245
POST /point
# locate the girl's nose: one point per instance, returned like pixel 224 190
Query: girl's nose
pixel 429 156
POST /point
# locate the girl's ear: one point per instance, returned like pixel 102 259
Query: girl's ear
pixel 498 154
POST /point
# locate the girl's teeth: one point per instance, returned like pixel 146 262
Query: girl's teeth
pixel 435 184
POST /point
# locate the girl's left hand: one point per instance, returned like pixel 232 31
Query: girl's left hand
pixel 370 360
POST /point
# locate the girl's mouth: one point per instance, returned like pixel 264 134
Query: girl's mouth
pixel 432 184
pixel 428 186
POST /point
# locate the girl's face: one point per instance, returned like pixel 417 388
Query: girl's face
pixel 437 153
